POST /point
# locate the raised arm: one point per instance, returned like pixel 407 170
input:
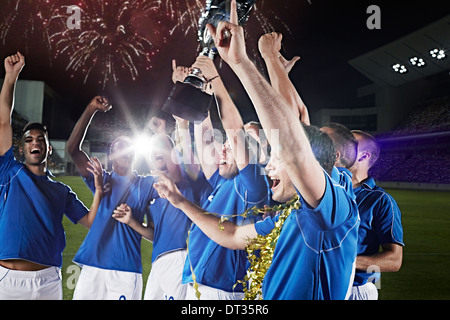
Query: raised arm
pixel 231 236
pixel 184 145
pixel 274 113
pixel 79 157
pixel 229 115
pixel 206 147
pixel 278 69
pixel 13 66
pixel 95 167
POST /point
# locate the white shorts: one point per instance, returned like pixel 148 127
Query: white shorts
pixel 44 284
pixel 101 284
pixel 164 281
pixel 367 291
pixel 209 293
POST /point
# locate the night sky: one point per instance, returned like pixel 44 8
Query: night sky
pixel 324 33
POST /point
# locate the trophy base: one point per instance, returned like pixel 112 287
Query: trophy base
pixel 188 102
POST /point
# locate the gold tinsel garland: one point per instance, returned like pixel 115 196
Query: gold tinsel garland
pixel 259 250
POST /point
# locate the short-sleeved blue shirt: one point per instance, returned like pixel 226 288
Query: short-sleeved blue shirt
pixel 380 224
pixel 111 244
pixel 214 265
pixel 31 213
pixel 171 224
pixel 316 250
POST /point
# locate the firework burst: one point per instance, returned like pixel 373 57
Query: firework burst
pixel 110 39
pixel 27 20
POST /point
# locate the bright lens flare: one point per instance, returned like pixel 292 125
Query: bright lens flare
pixel 142 145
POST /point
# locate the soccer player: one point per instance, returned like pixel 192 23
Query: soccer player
pixel 315 253
pixel 278 69
pixel 111 252
pixel 344 142
pixel 316 249
pixel 31 232
pixel 169 229
pixel 380 223
pixel 237 186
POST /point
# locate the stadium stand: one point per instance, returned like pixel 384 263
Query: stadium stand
pixel 418 150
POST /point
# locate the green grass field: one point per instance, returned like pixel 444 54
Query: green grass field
pixel 426 260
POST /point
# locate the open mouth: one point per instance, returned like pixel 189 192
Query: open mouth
pixel 35 151
pixel 275 183
pixel 222 162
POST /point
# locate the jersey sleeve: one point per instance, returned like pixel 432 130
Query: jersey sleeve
pixel 387 220
pixel 90 183
pixel 253 183
pixel 264 227
pixel 7 161
pixel 335 207
pixel 147 190
pixel 75 209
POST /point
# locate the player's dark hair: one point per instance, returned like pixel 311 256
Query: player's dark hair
pixel 322 147
pixel 344 142
pixel 35 125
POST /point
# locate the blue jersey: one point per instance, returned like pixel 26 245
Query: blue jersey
pixel 344 177
pixel 171 224
pixel 214 265
pixel 111 244
pixel 31 213
pixel 380 224
pixel 316 250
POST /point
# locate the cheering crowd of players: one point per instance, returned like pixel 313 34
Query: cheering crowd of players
pixel 328 245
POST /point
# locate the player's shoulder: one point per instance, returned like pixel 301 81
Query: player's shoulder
pixel 146 179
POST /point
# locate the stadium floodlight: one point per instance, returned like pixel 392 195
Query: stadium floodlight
pixel 418 62
pixel 142 144
pixel 438 54
pixel 399 68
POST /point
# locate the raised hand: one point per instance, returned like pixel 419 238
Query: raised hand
pixel 179 73
pixel 14 64
pixel 95 167
pixel 207 66
pixel 100 103
pixel 229 38
pixel 289 64
pixel 168 190
pixel 269 45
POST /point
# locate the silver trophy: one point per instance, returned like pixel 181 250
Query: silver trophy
pixel 188 99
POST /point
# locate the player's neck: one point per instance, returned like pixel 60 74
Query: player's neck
pixel 358 177
pixel 123 171
pixel 175 175
pixel 39 170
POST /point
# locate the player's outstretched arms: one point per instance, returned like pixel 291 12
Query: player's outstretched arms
pixel 79 157
pixel 274 113
pixel 232 236
pixel 124 214
pixel 95 167
pixel 278 69
pixel 13 66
